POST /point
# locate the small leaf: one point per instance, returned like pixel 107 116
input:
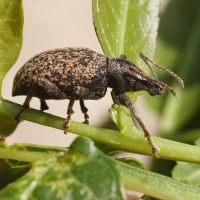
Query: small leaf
pixel 132 161
pixel 82 173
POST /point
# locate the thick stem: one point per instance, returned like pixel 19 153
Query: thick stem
pixel 129 139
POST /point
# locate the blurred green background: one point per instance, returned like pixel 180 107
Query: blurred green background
pixel 178 48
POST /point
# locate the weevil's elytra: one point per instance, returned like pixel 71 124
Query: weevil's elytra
pixel 82 74
pixel 66 68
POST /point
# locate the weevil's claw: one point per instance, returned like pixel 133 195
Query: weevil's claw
pixel 66 124
pixel 86 117
pixel 86 122
pixel 65 132
pixel 17 117
pixel 154 149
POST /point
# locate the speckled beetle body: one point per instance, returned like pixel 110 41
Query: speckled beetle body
pixel 66 68
pixel 81 74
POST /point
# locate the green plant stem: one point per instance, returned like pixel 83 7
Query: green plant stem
pixel 122 141
pixel 156 185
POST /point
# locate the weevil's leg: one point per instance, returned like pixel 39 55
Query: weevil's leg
pixel 84 111
pixel 25 106
pixel 43 105
pixel 79 93
pixel 69 111
pixel 48 87
pixel 124 100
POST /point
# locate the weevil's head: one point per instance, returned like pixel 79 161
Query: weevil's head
pixel 155 89
pixel 124 76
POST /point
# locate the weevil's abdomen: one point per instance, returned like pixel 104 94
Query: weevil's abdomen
pixel 66 68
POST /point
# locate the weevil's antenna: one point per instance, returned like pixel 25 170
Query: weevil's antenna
pixel 145 59
pixel 168 88
pixel 156 81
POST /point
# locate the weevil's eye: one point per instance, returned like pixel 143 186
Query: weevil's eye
pixel 155 89
pixel 159 89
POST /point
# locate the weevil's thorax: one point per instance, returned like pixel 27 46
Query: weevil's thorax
pixel 123 76
pixel 117 69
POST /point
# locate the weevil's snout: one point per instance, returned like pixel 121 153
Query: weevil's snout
pixel 155 89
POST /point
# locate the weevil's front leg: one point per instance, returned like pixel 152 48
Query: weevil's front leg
pixel 124 100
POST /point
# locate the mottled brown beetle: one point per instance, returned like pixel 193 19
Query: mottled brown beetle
pixel 81 74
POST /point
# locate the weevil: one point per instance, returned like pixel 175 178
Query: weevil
pixel 82 74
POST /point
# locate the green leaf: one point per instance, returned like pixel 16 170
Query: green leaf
pixel 11 26
pixel 126 27
pixel 11 23
pixel 82 173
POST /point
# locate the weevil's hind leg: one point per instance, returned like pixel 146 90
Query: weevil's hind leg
pixel 43 105
pixel 26 103
pixel 84 111
pixel 47 87
pixel 124 100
